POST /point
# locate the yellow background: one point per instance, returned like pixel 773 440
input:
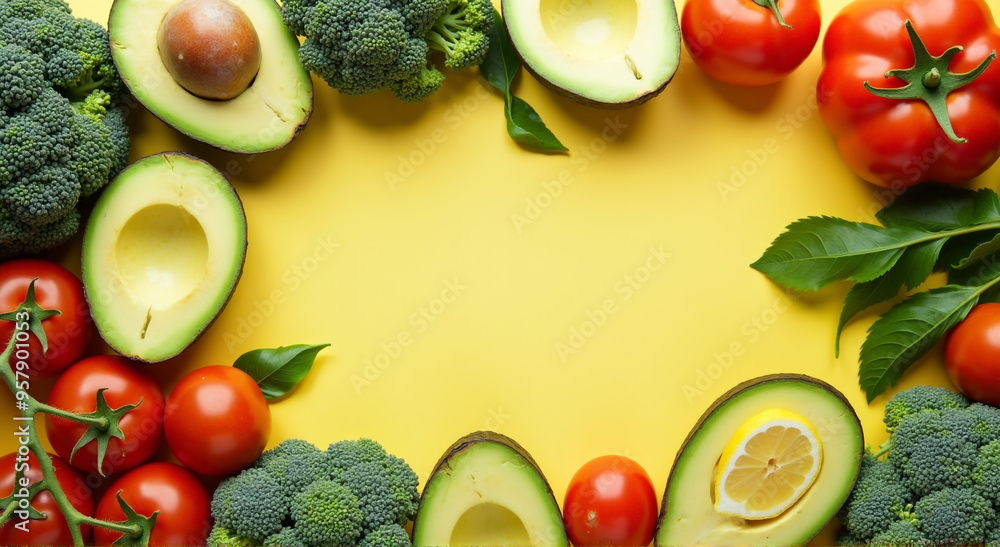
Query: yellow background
pixel 491 358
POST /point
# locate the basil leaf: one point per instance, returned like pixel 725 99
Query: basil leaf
pixel 527 128
pixel 501 64
pixel 908 331
pixel 278 370
pixel 817 251
pixel 911 270
pixel 931 206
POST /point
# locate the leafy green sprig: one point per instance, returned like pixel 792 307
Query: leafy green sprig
pixel 932 227
pixel 102 424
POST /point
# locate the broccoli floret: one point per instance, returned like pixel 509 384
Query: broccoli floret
pixel 343 456
pixel 369 482
pixel 986 475
pixel 954 516
pixel 878 500
pixel 901 533
pixel 920 398
pixel 327 514
pixel 62 130
pixel 294 463
pixel 287 537
pixel 363 47
pixel 987 419
pixel 461 33
pixel 224 537
pixel 390 535
pixel 250 504
pixel 935 450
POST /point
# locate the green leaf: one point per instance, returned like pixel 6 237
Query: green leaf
pixel 278 370
pixel 931 206
pixel 817 251
pixel 501 64
pixel 908 331
pixel 983 270
pixel 959 247
pixel 980 252
pixel 987 207
pixel 911 270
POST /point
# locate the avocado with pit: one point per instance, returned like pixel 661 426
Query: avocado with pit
pixel 607 53
pixel 225 72
pixel 487 490
pixel 163 251
pixel 688 515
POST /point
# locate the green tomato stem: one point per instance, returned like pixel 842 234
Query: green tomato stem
pixel 100 424
pixel 773 6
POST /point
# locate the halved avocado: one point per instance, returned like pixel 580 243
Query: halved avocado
pixel 163 251
pixel 688 515
pixel 609 53
pixel 487 491
pixel 265 116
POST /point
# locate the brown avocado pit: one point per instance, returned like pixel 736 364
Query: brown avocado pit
pixel 210 47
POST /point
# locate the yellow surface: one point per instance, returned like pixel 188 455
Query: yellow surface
pixel 466 279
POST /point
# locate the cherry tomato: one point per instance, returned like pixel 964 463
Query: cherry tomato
pixel 972 354
pixel 52 530
pixel 182 500
pixel 217 421
pixel 742 43
pixel 610 502
pixel 68 334
pixel 127 383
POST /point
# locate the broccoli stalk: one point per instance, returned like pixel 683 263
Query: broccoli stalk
pixel 101 424
pixel 460 33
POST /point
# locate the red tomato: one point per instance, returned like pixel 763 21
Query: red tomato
pixel 610 502
pixel 898 143
pixel 972 354
pixel 181 499
pixel 67 334
pixel 52 530
pixel 742 43
pixel 217 420
pixel 127 383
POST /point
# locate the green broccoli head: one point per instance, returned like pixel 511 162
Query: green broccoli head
pixel 901 534
pixel 879 499
pixel 920 398
pixel 935 450
pixel 61 126
pixel 986 475
pixel 251 504
pixel 954 516
pixel 348 461
pixel 362 47
pixel 326 513
pixel 389 535
pixel 461 33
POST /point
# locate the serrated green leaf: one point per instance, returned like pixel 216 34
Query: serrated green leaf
pixel 908 331
pixel 816 251
pixel 931 206
pixel 987 207
pixel 501 63
pixel 278 370
pixel 911 270
pixel 960 247
pixel 980 252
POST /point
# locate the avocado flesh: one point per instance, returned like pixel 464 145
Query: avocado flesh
pixel 487 491
pixel 162 253
pixel 688 515
pixel 266 116
pixel 611 53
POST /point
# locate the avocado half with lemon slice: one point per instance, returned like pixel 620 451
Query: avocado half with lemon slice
pixel 225 72
pixel 163 251
pixel 487 490
pixel 769 463
pixel 608 53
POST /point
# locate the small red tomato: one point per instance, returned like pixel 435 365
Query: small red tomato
pixel 182 500
pixel 217 421
pixel 127 383
pixel 68 334
pixel 742 42
pixel 972 354
pixel 53 530
pixel 610 502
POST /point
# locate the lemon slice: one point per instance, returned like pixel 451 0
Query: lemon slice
pixel 773 458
